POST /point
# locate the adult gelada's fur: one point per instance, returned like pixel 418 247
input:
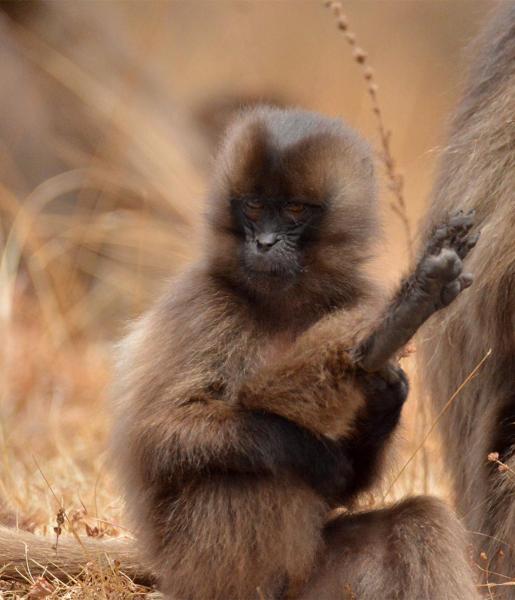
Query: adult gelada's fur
pixel 241 419
pixel 478 171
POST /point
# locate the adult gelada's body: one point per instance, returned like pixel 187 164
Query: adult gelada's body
pixel 477 171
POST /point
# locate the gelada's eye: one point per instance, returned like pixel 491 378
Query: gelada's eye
pixel 295 209
pixel 253 209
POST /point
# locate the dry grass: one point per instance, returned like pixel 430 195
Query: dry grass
pixel 395 179
pixel 91 584
pixel 82 252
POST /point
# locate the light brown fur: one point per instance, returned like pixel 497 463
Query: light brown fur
pixel 233 555
pixel 214 349
pixel 478 171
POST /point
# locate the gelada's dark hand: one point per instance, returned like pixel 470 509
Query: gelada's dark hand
pixel 389 386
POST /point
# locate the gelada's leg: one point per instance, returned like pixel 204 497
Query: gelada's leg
pixel 414 550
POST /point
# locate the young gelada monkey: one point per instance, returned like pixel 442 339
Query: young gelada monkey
pixel 243 418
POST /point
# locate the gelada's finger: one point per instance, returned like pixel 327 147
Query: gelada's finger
pixel 466 280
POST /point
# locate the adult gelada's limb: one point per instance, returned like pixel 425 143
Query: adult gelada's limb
pixel 415 549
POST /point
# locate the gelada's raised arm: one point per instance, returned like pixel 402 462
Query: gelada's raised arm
pixel 436 281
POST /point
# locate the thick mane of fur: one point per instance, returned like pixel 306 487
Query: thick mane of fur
pixel 477 171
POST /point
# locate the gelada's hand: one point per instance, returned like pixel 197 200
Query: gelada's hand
pixel 389 385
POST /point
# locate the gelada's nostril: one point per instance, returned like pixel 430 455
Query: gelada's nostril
pixel 266 240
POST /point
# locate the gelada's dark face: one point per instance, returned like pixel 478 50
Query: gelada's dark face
pixel 276 235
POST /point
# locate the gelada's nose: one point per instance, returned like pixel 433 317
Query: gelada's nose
pixel 266 240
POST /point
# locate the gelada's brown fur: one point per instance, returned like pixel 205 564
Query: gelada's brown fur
pixel 215 347
pixel 478 171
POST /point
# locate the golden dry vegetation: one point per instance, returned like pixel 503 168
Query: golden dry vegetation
pixel 108 116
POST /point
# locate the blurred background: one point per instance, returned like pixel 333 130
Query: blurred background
pixel 110 115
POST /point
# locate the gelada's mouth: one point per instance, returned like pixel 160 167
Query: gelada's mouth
pixel 272 265
pixel 271 269
pixel 271 273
